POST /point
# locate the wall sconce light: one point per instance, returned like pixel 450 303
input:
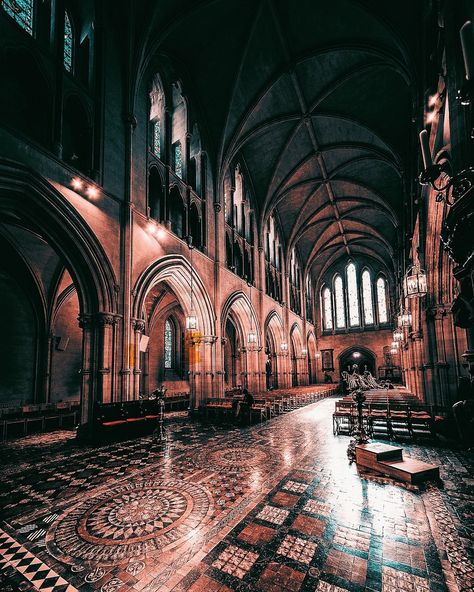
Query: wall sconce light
pixel 92 191
pixel 440 177
pixel 394 345
pixel 405 318
pixel 77 184
pixel 398 335
pixel 317 355
pixel 414 282
pixel 465 93
pixel 284 346
pixel 304 352
pixel 252 337
pixel 394 351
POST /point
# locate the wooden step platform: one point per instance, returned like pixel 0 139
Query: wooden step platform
pixel 389 461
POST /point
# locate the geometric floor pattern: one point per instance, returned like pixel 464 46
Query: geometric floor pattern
pixel 273 507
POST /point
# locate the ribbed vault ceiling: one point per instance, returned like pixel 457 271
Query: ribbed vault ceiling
pixel 316 97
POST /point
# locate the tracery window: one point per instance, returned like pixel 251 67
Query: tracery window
pixel 68 43
pixel 178 159
pixel 327 308
pixel 295 283
pixel 339 297
pixel 382 300
pixel 353 296
pixel 156 139
pixel 169 344
pixel 273 257
pixel 309 299
pixel 367 298
pixel 22 11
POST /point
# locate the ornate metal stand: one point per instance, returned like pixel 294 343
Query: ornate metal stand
pixel 159 432
pixel 360 435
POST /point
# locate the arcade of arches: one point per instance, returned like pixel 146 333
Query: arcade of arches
pixel 214 195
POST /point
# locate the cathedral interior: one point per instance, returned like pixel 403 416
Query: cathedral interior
pixel 237 295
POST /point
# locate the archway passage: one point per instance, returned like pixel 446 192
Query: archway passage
pixel 360 356
pixel 63 278
pixel 165 359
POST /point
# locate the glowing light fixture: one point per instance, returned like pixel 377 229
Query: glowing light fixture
pixel 394 345
pixel 398 335
pixel 77 184
pixel 356 354
pixel 304 352
pixel 414 282
pixel 405 318
pixel 92 191
pixel 284 346
pixel 394 350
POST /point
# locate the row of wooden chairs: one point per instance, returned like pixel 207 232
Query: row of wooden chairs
pixel 390 419
pixel 265 406
pixel 21 420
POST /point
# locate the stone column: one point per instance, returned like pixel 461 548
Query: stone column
pixel 138 326
pixel 208 369
pixel 105 324
pixel 88 369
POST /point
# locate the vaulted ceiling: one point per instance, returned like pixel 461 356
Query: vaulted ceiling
pixel 317 98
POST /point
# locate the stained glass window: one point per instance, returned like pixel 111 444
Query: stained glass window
pixel 178 160
pixel 353 296
pixel 21 11
pixel 382 300
pixel 367 297
pixel 156 146
pixel 169 343
pixel 340 312
pixel 327 308
pixel 68 42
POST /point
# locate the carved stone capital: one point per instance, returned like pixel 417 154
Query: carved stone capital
pixel 138 325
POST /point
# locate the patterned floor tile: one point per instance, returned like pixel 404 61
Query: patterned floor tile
pixel 140 516
pixel 256 534
pixel 394 581
pixel 297 548
pixel 235 561
pixel 272 514
pixel 280 578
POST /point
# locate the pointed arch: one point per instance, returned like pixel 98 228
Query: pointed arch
pixel 175 271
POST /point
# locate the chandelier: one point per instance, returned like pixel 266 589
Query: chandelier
pixel 414 282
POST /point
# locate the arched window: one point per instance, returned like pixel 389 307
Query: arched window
pixel 327 308
pixel 169 349
pixel 156 138
pixel 382 300
pixel 68 42
pixel 353 296
pixel 367 298
pixel 339 295
pixel 178 160
pixel 157 109
pixel 22 11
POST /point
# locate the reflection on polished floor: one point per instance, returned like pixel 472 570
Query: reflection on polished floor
pixel 272 508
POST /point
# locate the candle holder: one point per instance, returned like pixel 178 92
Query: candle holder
pixel 360 435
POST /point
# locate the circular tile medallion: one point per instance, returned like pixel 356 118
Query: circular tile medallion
pixel 129 520
pixel 233 456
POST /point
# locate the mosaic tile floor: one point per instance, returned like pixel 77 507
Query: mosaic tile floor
pixel 272 508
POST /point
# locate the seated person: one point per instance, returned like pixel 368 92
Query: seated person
pixel 246 402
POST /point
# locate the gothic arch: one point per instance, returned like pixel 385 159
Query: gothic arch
pixel 175 271
pixel 239 306
pixel 30 199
